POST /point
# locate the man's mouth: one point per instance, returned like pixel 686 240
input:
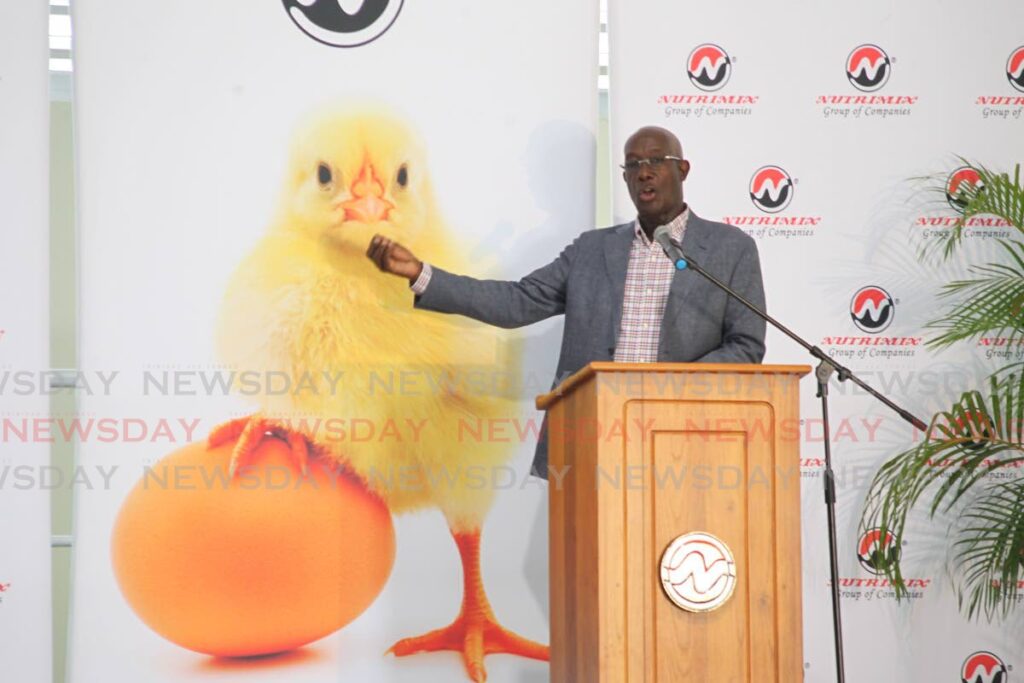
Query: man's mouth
pixel 646 194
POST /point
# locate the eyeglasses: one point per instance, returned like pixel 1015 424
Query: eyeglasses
pixel 654 163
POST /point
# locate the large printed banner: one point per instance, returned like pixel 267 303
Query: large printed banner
pixel 25 475
pixel 299 476
pixel 804 130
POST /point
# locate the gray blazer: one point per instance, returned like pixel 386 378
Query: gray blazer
pixel 586 283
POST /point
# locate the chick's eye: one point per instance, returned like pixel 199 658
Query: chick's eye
pixel 323 174
pixel 403 176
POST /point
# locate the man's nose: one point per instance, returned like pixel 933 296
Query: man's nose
pixel 645 172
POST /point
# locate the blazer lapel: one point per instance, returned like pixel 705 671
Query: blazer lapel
pixel 616 258
pixel 694 244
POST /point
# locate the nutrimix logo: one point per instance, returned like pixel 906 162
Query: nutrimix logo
pixel 4 587
pixel 1006 106
pixel 872 309
pixel 1005 348
pixel 868 67
pixel 995 469
pixel 984 667
pixel 698 572
pixel 709 67
pixel 876 551
pixel 771 189
pixel 343 23
pixel 960 184
pixel 1015 69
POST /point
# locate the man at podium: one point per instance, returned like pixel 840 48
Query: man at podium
pixel 622 296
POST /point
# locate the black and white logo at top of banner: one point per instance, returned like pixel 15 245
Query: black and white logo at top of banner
pixel 343 23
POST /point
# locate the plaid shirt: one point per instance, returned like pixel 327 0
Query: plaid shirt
pixel 648 279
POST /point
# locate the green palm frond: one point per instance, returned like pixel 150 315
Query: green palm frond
pixel 979 434
pixel 997 194
pixel 992 302
pixel 975 437
pixel 988 556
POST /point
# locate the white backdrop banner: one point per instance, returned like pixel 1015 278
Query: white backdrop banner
pixel 25 611
pixel 803 129
pixel 235 159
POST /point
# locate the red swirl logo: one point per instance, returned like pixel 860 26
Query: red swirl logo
pixel 708 67
pixel 983 667
pixel 962 184
pixel 874 552
pixel 872 309
pixel 771 189
pixel 868 67
pixel 1015 68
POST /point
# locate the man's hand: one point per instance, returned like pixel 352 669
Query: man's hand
pixel 392 257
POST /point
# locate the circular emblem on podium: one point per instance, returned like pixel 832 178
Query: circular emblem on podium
pixel 698 572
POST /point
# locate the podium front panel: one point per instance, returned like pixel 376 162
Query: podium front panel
pixel 675 525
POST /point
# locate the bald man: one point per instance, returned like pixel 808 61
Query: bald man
pixel 622 297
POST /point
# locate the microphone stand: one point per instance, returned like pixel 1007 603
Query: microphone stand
pixel 823 373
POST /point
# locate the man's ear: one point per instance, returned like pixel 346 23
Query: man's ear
pixel 684 169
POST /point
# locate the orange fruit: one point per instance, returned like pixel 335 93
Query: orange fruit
pixel 263 563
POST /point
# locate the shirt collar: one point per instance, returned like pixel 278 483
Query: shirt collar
pixel 677 226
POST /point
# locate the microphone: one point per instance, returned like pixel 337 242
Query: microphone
pixel 663 237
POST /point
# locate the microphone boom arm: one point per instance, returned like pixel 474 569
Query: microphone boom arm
pixel 842 372
pixel 823 374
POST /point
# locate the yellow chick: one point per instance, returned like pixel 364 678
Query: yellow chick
pixel 307 302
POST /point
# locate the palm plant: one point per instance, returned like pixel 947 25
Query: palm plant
pixel 981 432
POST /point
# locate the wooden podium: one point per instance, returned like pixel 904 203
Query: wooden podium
pixel 640 455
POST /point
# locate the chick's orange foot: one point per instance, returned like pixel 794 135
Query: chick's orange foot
pixel 475 632
pixel 473 638
pixel 250 432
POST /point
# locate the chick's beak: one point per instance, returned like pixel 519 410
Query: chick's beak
pixel 367 204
